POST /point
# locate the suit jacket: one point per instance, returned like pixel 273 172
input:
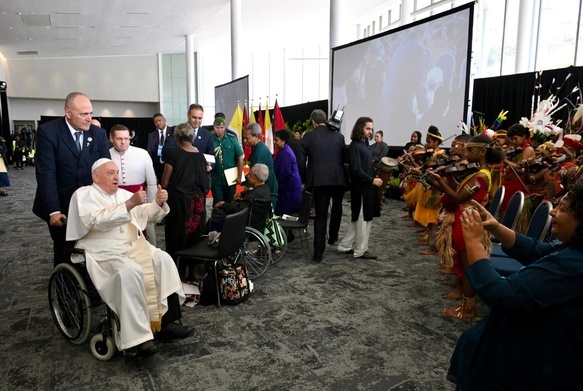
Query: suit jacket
pixel 61 168
pixel 203 142
pixel 324 150
pixel 296 147
pixel 154 139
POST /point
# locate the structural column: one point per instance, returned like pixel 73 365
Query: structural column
pixel 524 56
pixel 336 26
pixel 191 95
pixel 236 38
pixel 406 11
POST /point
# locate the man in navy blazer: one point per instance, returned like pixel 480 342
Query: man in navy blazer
pixel 160 136
pixel 66 149
pixel 203 139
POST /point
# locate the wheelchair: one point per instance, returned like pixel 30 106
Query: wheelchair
pixel 257 251
pixel 73 302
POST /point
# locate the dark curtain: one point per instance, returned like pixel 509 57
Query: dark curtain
pixel 142 126
pixel 295 113
pixel 514 93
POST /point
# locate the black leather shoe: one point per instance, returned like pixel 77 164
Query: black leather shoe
pixel 349 252
pixel 368 255
pixel 143 350
pixel 174 332
pixel 316 258
pixel 332 241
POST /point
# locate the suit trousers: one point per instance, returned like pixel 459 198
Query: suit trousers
pixel 58 234
pixel 322 196
pixel 174 311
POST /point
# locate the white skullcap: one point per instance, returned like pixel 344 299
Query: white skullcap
pixel 100 163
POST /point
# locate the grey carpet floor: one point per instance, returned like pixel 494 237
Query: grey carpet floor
pixel 342 324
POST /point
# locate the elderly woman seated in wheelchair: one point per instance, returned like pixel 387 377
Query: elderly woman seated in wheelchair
pixel 259 251
pixel 257 196
pixel 138 282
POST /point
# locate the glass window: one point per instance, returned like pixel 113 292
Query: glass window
pixel 491 24
pixel 556 34
pixel 511 31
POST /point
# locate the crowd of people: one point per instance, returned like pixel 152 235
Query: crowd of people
pixel 108 200
pixel 528 315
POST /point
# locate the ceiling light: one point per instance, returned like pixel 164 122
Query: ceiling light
pixel 36 20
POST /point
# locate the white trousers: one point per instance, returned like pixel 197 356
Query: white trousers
pixel 356 236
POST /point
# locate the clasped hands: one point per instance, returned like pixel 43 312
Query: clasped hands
pixel 475 220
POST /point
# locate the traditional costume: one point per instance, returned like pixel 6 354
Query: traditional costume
pixel 132 277
pixel 450 240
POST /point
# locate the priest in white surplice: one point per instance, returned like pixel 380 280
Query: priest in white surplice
pixel 136 170
pixel 137 280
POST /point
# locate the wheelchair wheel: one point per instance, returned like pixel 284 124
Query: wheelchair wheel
pixel 70 303
pixel 256 252
pixel 103 347
pixel 277 252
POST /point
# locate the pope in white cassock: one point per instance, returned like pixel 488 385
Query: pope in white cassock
pixel 135 279
pixel 135 169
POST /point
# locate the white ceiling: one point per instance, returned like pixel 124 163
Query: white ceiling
pixel 78 28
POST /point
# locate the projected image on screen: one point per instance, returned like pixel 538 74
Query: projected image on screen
pixel 408 79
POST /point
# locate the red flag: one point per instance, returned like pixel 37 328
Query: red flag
pixel 247 149
pixel 245 116
pixel 278 122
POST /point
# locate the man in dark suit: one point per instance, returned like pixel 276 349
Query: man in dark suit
pixel 203 139
pixel 326 176
pixel 66 149
pixel 156 141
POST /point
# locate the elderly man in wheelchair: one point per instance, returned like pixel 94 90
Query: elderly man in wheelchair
pixel 137 281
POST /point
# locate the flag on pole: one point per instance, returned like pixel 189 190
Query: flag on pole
pixel 236 124
pixel 245 115
pixel 260 122
pixel 278 122
pixel 246 120
pixel 268 129
pixel 252 114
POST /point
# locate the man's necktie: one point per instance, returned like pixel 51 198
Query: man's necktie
pixel 160 146
pixel 78 140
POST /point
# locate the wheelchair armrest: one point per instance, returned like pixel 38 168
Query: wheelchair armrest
pixel 74 250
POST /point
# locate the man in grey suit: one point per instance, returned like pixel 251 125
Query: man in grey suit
pixel 65 151
pixel 324 148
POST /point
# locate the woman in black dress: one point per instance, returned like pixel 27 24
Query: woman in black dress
pixel 186 179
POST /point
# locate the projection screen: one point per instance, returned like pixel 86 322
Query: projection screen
pixel 408 78
pixel 227 95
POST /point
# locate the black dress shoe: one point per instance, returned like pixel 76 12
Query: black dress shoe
pixel 368 255
pixel 316 258
pixel 174 332
pixel 349 252
pixel 332 241
pixel 143 350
